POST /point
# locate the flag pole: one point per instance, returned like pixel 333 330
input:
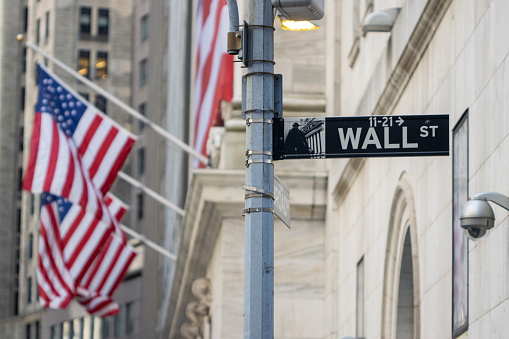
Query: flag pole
pixel 158 129
pixel 152 193
pixel 149 243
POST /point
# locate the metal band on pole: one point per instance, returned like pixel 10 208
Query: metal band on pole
pixel 158 129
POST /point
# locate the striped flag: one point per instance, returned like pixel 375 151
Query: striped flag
pixel 87 259
pixel 104 276
pixel 75 149
pixel 76 153
pixel 214 70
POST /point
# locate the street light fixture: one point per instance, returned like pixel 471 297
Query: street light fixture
pixel 290 25
pixel 380 21
pixel 477 217
pixel 299 15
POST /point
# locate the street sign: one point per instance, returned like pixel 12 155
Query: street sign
pixel 281 202
pixel 361 137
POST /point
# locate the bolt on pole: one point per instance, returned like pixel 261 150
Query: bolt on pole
pixel 259 217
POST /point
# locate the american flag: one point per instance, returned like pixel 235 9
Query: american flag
pixel 76 152
pixel 75 149
pixel 214 70
pixel 92 259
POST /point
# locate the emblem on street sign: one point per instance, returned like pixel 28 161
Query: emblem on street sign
pixel 361 137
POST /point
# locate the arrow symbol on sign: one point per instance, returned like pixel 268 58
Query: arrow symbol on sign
pixel 400 121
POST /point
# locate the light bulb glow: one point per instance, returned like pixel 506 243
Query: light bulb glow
pixel 290 25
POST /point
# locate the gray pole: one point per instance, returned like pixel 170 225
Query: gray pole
pixel 259 219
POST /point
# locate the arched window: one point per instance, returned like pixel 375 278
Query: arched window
pixel 400 306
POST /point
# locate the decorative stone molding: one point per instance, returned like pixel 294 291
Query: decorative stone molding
pixel 198 311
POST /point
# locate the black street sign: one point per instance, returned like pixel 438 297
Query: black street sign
pixel 361 137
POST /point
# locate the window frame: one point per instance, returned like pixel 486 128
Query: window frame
pixel 81 56
pixel 103 29
pixel 85 12
pixel 457 201
pixel 102 72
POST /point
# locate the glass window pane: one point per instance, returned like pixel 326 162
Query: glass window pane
pixel 106 328
pixel 143 72
pixel 53 332
pixel 144 28
pixel 38 31
pixel 103 21
pixel 117 324
pixel 29 290
pixel 84 63
pixel 101 65
pixel 101 103
pixel 85 19
pixel 141 109
pixel 141 161
pixel 139 199
pixel 46 35
pixel 129 319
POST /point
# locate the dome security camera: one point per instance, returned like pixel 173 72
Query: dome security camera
pixel 477 217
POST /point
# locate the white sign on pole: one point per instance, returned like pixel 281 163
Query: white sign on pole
pixel 281 202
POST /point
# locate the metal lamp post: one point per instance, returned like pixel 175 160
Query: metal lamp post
pixel 255 46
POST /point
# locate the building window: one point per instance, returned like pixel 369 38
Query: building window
pixel 141 161
pixel 84 63
pixel 139 204
pixel 143 72
pixel 32 204
pixel 359 302
pixel 85 20
pixel 117 324
pixel 38 31
pixel 22 99
pixel 46 33
pixel 103 21
pixel 142 108
pixel 37 326
pixel 24 60
pixel 460 243
pixel 25 19
pixel 18 221
pixel 101 65
pixel 144 28
pixel 53 332
pixel 30 245
pixel 29 290
pixel 84 95
pixel 129 319
pixel 106 328
pixel 28 330
pixel 101 103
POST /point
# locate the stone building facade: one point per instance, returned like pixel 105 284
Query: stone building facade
pixel 375 250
